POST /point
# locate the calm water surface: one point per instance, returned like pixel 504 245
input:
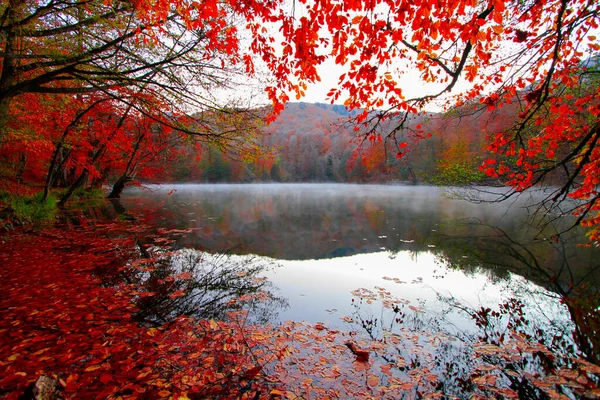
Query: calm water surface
pixel 435 255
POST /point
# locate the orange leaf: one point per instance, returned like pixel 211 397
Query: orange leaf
pixel 373 380
pixel 177 293
pixel 319 326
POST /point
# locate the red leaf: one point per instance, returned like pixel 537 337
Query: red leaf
pixel 252 372
pixel 361 355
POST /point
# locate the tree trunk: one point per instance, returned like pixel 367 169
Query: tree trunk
pixel 21 167
pixel 84 175
pixel 55 165
pixel 81 179
pixel 124 179
pixel 8 66
pixel 119 186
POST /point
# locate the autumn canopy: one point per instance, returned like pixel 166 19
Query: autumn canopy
pixel 79 77
pixel 104 91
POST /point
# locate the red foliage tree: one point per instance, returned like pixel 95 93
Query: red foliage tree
pixel 541 54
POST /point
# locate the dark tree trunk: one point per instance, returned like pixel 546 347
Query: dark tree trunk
pixel 119 186
pixel 21 167
pixel 8 60
pixel 124 179
pixel 82 179
pixel 84 175
pixel 59 157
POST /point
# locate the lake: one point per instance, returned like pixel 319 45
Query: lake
pixel 381 262
pixel 379 258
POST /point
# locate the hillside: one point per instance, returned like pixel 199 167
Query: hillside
pixel 311 142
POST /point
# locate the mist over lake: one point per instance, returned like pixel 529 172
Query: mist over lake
pixel 328 240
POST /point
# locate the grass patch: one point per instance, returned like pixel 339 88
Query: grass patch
pixel 26 210
pixel 31 209
pixel 88 194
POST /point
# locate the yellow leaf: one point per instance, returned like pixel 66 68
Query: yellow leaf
pixel 93 368
pixel 13 357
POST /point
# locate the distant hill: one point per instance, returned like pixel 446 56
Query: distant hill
pixel 316 142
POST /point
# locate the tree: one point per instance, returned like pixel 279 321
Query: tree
pixel 484 53
pixel 105 62
pixel 90 47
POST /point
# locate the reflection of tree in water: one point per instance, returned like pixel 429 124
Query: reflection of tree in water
pixel 201 285
pixel 555 264
pixel 536 343
pixel 307 221
pixel 512 352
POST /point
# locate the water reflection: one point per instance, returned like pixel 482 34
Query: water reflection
pixel 320 222
pixel 555 265
pixel 172 283
pixel 301 222
pixel 455 274
pixel 517 351
pixel 317 222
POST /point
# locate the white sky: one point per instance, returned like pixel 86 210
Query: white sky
pixel 410 82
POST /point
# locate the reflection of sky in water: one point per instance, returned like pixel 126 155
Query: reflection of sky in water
pixel 320 290
pixel 328 240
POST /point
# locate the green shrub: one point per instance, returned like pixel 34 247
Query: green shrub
pixel 459 174
pixel 85 194
pixel 31 209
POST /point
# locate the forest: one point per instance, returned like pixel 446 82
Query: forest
pixel 318 143
pixel 100 96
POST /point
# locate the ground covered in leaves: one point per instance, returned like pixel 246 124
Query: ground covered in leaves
pixel 58 317
pixel 68 311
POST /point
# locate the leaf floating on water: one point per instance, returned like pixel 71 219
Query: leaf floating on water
pixel 177 293
pixel 386 369
pixel 487 349
pixel 319 326
pixel 184 275
pixel 373 380
pixel 360 366
pixel 416 308
pixel 361 355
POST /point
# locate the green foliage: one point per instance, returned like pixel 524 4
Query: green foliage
pixel 31 209
pixel 88 193
pixel 27 210
pixel 456 174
